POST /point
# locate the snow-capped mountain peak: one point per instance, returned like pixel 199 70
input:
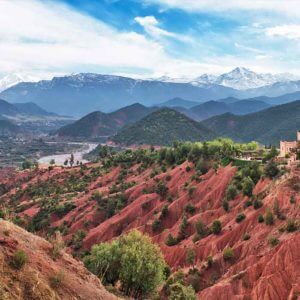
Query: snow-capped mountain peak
pixel 12 79
pixel 239 78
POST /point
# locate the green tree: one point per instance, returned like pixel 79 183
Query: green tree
pixel 104 261
pixel 247 186
pixel 231 192
pixel 190 257
pixel 271 169
pixel 52 162
pixel 71 159
pixel 133 259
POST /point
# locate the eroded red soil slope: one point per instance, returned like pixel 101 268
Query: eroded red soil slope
pixel 257 269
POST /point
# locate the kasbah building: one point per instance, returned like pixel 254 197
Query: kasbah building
pixel 288 149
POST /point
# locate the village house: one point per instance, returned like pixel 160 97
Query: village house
pixel 288 149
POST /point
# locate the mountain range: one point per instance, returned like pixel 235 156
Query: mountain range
pixel 99 124
pixel 80 94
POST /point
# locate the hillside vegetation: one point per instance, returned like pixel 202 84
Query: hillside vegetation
pixel 163 127
pixel 210 214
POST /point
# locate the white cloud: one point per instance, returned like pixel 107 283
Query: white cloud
pixel 151 26
pixel 290 7
pixel 41 36
pixel 37 35
pixel 249 49
pixel 286 31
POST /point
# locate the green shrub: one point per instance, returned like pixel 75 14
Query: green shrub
pixel 216 227
pixel 191 191
pixel 19 259
pixel 246 237
pixel 271 169
pixel 260 219
pixel 247 203
pixel 273 241
pixel 190 209
pixel 225 205
pixel 57 279
pixel 77 239
pixel 194 280
pixel 161 189
pixel 171 240
pixel 269 219
pixel 231 192
pixel 190 257
pixel 291 226
pixel 292 199
pixel 240 217
pixel 201 229
pixel 164 211
pixel 257 204
pixel 228 253
pixel 155 225
pixel 179 291
pixel 210 261
pixel 183 228
pixel 247 186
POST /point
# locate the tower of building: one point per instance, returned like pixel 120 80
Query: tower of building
pixel 298 135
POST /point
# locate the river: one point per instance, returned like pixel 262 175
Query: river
pixel 61 158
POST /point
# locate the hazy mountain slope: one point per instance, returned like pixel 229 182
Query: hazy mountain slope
pixel 91 125
pixel 267 126
pixel 162 128
pixel 243 107
pixel 213 108
pixel 32 109
pixel 102 124
pixel 7 128
pixel 131 113
pixel 178 102
pixel 8 109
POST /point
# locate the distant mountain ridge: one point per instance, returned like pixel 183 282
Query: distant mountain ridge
pixel 99 124
pixel 268 126
pixel 212 108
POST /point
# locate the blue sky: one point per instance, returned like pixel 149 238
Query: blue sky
pixel 149 38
